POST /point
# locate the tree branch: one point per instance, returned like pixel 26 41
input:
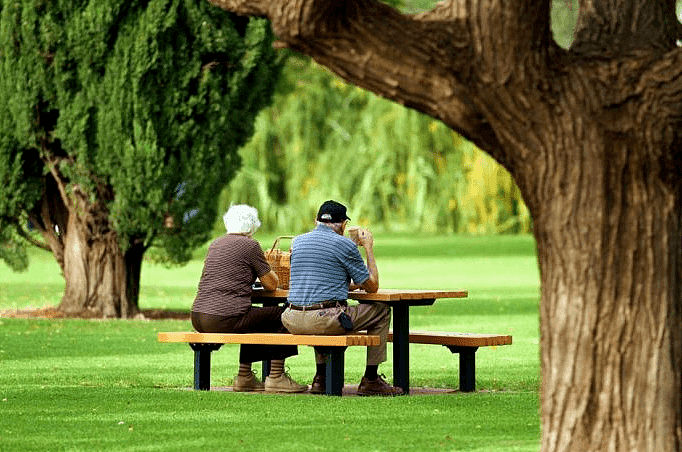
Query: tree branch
pixel 422 62
pixel 51 163
pixel 450 63
pixel 26 236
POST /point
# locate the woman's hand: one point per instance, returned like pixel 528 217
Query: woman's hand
pixel 269 280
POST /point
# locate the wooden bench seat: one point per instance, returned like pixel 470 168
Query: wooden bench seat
pixel 332 346
pixel 465 344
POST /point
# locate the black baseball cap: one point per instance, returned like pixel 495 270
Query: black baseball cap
pixel 332 212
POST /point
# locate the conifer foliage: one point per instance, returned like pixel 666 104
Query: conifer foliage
pixel 120 121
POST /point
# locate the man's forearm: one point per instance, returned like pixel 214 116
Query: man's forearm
pixel 372 284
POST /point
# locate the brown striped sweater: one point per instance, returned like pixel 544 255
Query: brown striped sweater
pixel 232 264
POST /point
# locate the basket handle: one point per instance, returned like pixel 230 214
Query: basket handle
pixel 276 244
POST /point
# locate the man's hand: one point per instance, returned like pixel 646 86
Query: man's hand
pixel 367 242
pixel 366 239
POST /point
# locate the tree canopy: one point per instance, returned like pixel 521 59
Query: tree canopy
pixel 122 119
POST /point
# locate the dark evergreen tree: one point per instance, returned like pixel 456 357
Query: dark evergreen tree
pixel 120 122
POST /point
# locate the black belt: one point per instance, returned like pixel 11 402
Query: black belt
pixel 320 305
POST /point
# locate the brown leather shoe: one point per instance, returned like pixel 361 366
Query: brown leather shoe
pixel 319 385
pixel 247 384
pixel 284 383
pixel 377 387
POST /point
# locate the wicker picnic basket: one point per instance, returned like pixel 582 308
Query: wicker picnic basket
pixel 280 262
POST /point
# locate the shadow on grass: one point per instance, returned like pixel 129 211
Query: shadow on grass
pixel 51 312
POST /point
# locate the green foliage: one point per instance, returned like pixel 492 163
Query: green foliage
pixel 394 3
pixel 143 104
pixel 409 6
pixel 395 168
pixel 564 16
pixel 11 250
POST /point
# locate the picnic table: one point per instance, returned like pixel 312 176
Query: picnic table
pixel 400 301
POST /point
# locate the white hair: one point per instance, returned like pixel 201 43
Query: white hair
pixel 241 219
pixel 336 227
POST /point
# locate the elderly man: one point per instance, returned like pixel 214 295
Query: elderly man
pixel 325 265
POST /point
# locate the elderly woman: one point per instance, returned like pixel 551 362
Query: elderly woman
pixel 223 301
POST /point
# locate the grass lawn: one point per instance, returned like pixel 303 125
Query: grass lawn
pixel 71 385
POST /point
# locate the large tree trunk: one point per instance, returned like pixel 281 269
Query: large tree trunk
pixel 610 252
pixel 101 279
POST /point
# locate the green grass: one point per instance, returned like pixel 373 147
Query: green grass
pixel 140 419
pixel 70 385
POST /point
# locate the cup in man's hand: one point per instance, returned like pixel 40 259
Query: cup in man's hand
pixel 354 234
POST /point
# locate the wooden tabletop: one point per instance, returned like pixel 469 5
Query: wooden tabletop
pixel 381 295
pixel 406 294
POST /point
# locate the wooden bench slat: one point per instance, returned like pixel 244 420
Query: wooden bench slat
pixel 270 338
pixel 456 339
pixel 417 337
pixel 465 345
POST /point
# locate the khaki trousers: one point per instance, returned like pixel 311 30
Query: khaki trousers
pixel 375 318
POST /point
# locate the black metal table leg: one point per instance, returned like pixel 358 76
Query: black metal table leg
pixel 334 369
pixel 265 369
pixel 467 367
pixel 401 346
pixel 334 378
pixel 202 365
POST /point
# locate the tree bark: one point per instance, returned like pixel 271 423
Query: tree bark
pixel 609 252
pixel 592 138
pixel 101 279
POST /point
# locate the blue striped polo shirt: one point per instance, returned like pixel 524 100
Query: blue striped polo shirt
pixel 322 266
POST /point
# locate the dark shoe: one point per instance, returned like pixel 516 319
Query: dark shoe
pixel 377 387
pixel 319 385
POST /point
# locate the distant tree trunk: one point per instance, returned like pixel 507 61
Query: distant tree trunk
pixel 101 279
pixel 98 279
